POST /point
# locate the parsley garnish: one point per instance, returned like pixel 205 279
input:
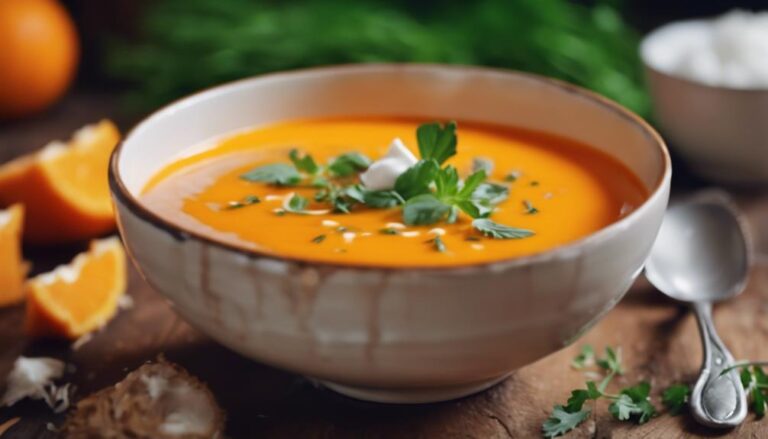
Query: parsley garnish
pixel 633 402
pixel 296 204
pixel 246 201
pixel 512 176
pixel 424 209
pixel 437 142
pixel 499 231
pixel 303 163
pixel 530 209
pixel 561 421
pixel 534 183
pixel 388 231
pixel 755 383
pixel 585 358
pixel 675 397
pixel 280 174
pixel 438 243
pixel 318 239
pixel 428 192
pixel 349 164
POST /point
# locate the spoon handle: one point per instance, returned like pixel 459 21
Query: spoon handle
pixel 717 400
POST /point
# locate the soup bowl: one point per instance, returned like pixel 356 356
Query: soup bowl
pixel 404 335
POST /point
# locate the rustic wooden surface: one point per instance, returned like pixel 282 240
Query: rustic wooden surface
pixel 659 341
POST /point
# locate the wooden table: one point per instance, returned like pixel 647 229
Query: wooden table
pixel 659 341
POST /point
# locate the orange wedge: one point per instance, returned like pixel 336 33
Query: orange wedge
pixel 64 187
pixel 80 297
pixel 13 269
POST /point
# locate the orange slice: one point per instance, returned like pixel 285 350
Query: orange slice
pixel 64 187
pixel 80 297
pixel 13 269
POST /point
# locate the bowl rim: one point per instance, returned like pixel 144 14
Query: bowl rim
pixel 122 194
pixel 653 34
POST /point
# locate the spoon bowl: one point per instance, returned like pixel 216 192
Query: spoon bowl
pixel 700 253
pixel 701 256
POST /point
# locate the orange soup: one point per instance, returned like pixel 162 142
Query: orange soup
pixel 323 190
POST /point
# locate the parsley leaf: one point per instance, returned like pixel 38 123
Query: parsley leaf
pixel 295 204
pixel 471 184
pixel 561 421
pixel 437 142
pixel 612 361
pixel 318 239
pixel 382 199
pixel 303 163
pixel 675 397
pixel 446 182
pixel 424 209
pixel 633 402
pixel 492 193
pixel 246 201
pixel 438 243
pixel 499 231
pixel 512 176
pixel 280 174
pixel 416 179
pixel 586 357
pixel 348 164
pixel 530 209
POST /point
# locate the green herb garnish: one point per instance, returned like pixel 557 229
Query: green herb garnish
pixel 296 204
pixel 561 421
pixel 585 358
pixel 416 179
pixel 512 176
pixel 246 201
pixel 303 163
pixel 437 142
pixel 438 243
pixel 318 239
pixel 530 209
pixel 675 397
pixel 348 164
pixel 534 183
pixel 279 174
pixel 424 209
pixel 388 231
pixel 499 231
pixel 633 402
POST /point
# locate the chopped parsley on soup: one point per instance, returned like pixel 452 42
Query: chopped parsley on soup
pixel 395 192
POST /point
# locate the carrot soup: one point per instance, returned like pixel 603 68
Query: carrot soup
pixel 394 192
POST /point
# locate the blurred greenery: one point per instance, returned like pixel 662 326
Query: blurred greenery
pixel 186 45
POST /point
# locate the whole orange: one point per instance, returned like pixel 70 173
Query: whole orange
pixel 38 55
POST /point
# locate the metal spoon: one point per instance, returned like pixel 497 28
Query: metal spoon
pixel 700 257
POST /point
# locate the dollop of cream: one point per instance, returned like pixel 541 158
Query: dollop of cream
pixel 383 173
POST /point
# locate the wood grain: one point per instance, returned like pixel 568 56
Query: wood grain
pixel 659 342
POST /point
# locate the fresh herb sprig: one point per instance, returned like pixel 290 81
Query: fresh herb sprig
pixel 631 403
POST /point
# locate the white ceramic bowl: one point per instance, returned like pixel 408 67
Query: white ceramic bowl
pixel 722 133
pixel 391 335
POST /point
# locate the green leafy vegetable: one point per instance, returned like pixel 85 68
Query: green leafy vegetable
pixel 382 199
pixel 530 209
pixel 438 243
pixel 491 193
pixel 424 209
pixel 437 142
pixel 586 357
pixel 279 174
pixel 303 163
pixel 246 201
pixel 416 179
pixel 499 231
pixel 634 402
pixel 349 164
pixel 612 361
pixel 296 204
pixel 561 421
pixel 675 397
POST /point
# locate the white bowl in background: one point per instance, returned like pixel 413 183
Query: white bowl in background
pixel 391 335
pixel 721 132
